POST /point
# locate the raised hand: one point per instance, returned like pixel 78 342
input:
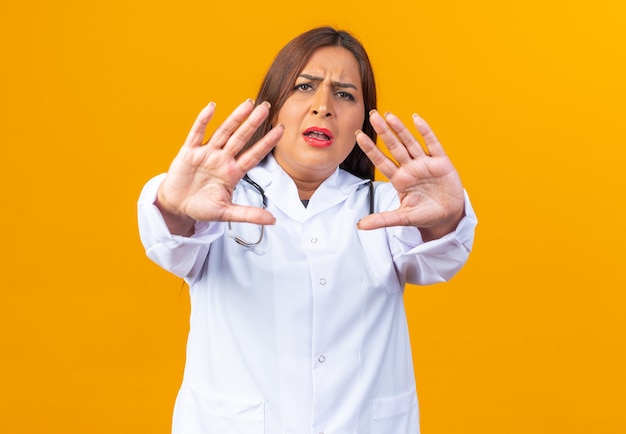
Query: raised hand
pixel 200 181
pixel 429 188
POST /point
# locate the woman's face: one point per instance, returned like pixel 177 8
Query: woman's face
pixel 320 115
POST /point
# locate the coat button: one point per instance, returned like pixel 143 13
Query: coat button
pixel 321 359
pixel 313 240
pixel 322 281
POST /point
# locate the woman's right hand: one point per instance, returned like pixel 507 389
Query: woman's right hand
pixel 202 177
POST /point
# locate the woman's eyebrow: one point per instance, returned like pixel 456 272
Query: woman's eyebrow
pixel 335 83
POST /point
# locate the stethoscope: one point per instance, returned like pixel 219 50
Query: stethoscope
pixel 248 244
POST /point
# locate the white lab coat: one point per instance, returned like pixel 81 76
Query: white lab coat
pixel 307 333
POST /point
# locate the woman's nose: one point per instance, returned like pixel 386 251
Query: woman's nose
pixel 322 104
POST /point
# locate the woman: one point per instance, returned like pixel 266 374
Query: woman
pixel 297 261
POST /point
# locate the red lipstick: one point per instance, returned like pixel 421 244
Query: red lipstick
pixel 319 137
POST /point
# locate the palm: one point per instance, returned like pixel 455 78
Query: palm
pixel 428 186
pixel 201 179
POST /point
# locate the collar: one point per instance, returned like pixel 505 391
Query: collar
pixel 282 191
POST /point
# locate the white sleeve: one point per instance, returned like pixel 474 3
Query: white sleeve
pixel 424 263
pixel 182 256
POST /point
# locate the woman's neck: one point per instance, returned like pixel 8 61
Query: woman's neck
pixel 306 188
pixel 307 180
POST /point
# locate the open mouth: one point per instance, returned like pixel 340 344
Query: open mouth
pixel 320 137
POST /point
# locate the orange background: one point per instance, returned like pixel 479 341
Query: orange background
pixel 526 96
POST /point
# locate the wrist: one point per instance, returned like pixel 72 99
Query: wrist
pixel 443 228
pixel 177 222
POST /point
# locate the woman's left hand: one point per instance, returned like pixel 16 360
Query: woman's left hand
pixel 430 190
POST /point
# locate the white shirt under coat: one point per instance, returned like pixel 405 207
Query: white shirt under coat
pixel 307 333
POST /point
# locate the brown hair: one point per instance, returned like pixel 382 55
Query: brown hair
pixel 282 74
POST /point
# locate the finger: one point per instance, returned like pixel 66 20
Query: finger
pixel 248 214
pixel 432 143
pixel 386 166
pixel 392 142
pixel 230 125
pixel 251 157
pixel 383 220
pixel 242 134
pixel 411 144
pixel 196 134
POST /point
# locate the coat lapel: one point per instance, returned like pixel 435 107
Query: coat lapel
pixel 282 192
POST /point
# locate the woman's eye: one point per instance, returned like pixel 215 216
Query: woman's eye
pixel 345 95
pixel 303 86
